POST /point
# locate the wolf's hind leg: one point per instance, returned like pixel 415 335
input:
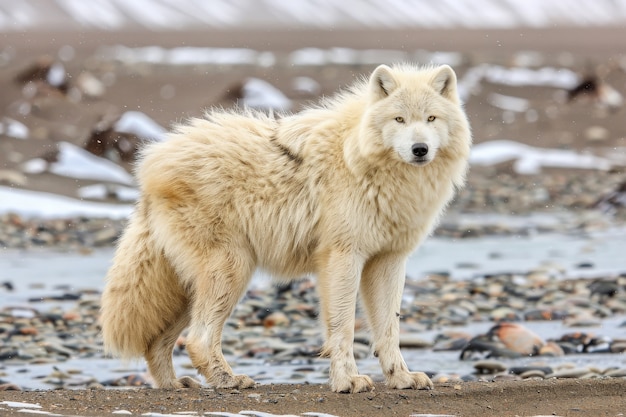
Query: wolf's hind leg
pixel 381 290
pixel 218 286
pixel 159 357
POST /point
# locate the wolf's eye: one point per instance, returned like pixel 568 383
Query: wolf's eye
pixel 431 118
pixel 400 119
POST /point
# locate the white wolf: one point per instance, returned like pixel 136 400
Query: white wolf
pixel 345 190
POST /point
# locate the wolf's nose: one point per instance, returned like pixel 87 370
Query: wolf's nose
pixel 419 149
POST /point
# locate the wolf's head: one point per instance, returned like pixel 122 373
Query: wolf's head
pixel 414 112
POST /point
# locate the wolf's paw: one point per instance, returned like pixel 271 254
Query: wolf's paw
pixel 353 384
pixel 188 382
pixel 235 381
pixel 182 382
pixel 409 380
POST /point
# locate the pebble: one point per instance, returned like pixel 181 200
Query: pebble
pixel 569 373
pixel 490 366
pixel 521 370
pixel 535 373
pixel 597 133
pixel 413 342
pixel 616 373
pixel 506 377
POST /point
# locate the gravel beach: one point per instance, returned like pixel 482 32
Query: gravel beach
pixel 543 243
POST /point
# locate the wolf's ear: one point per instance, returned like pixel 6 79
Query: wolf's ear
pixel 444 82
pixel 382 82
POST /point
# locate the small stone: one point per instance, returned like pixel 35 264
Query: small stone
pixel 71 316
pixel 104 237
pixel 440 379
pixel 520 370
pixel 517 338
pixel 507 377
pixel 504 313
pixel 569 373
pixel 89 85
pixel 28 331
pixel 597 133
pixel 10 387
pixel 534 373
pixel 616 373
pixel 551 349
pixel 277 318
pixel 413 342
pixel 618 347
pixel 490 366
pixel 12 177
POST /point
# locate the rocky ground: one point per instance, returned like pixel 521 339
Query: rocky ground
pixel 530 398
pixel 84 108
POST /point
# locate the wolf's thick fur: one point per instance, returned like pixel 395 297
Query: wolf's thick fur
pixel 345 190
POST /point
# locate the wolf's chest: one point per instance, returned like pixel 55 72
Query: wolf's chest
pixel 399 219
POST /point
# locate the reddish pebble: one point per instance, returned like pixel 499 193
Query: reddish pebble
pixel 277 318
pixel 71 316
pixel 551 349
pixel 517 338
pixel 29 331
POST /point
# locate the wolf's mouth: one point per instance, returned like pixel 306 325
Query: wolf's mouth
pixel 420 160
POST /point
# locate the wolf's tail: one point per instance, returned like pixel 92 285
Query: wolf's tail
pixel 142 296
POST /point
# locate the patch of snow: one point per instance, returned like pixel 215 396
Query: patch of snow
pixel 140 124
pixel 610 97
pixel 46 205
pixel 308 56
pixel 520 77
pixel 470 82
pixel 510 103
pixel 34 166
pixel 345 56
pixel 102 191
pixel 306 85
pixel 318 415
pixel 56 75
pixel 177 414
pixel 75 162
pixel 188 55
pixel 263 414
pixel 16 404
pixel 14 129
pixel 530 160
pixel 260 94
pixel 439 58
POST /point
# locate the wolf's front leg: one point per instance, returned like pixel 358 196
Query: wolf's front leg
pixel 338 285
pixel 381 289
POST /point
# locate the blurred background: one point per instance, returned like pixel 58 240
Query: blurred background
pixel 83 84
pixel 105 75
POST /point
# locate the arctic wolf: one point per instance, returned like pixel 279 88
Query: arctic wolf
pixel 345 190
